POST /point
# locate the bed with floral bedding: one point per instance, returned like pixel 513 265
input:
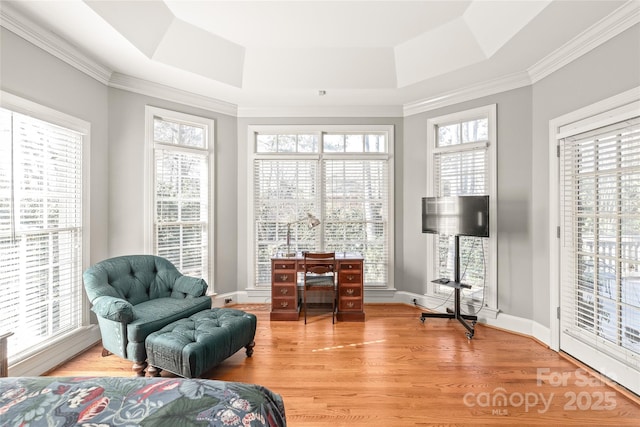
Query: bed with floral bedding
pixel 109 401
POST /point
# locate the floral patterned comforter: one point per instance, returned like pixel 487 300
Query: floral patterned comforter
pixel 108 401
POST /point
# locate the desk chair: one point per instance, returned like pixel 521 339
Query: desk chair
pixel 320 276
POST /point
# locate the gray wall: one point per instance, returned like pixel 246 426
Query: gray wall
pixel 514 199
pixel 127 174
pixel 523 172
pixel 31 73
pixel 117 164
pixel 608 70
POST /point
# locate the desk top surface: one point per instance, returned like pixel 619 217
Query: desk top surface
pixel 339 256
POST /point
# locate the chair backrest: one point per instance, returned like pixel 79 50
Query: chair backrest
pixel 319 262
pixel 135 278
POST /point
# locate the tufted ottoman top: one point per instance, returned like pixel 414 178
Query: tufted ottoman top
pixel 191 346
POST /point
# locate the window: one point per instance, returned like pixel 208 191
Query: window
pixel 461 158
pixel 181 147
pixel 42 227
pixel 342 175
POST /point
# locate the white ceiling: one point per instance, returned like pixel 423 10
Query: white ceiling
pixel 282 53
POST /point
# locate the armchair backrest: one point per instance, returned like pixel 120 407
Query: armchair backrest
pixel 135 278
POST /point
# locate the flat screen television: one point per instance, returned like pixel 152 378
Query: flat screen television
pixel 456 215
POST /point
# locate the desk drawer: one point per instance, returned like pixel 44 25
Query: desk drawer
pixel 349 304
pixel 284 265
pixel 283 303
pixel 284 276
pixel 284 290
pixel 346 291
pixel 350 265
pixel 350 276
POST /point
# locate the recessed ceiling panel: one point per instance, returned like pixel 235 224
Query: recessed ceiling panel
pixel 189 48
pixel 126 18
pixel 315 24
pixel 320 68
pixel 494 23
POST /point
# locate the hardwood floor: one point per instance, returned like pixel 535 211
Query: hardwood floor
pixel 393 371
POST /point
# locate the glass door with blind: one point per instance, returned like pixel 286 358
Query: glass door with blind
pixel 600 248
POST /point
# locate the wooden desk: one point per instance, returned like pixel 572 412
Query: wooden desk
pixel 285 295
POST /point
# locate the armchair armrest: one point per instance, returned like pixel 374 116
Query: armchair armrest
pixel 191 286
pixel 113 308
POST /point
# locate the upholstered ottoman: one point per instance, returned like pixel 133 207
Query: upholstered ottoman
pixel 191 346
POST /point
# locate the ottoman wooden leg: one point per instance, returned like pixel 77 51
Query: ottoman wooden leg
pixel 138 368
pixel 249 348
pixel 154 371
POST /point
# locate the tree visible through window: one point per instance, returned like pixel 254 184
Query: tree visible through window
pixel 462 163
pixel 341 177
pixel 181 197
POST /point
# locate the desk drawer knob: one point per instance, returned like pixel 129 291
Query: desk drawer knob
pixel 284 277
pixel 350 291
pixel 284 291
pixel 350 277
pixel 283 266
pixel 284 304
pixel 350 304
pixel 349 266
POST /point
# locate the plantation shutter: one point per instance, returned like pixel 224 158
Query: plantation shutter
pixel 355 212
pixel 284 192
pixel 600 246
pixel 40 232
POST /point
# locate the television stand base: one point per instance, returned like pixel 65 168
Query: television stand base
pixel 468 321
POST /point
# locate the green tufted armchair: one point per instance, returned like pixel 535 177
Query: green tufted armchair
pixel 136 295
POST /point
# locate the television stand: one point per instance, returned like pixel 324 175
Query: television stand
pixel 457 286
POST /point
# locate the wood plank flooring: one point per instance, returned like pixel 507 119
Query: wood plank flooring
pixel 392 370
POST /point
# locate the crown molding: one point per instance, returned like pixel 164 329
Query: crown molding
pixel 322 111
pixel 604 30
pixel 20 25
pixel 612 25
pixel 620 20
pixel 157 90
pixel 478 90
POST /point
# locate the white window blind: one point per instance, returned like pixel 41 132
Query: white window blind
pixel 181 227
pixel 343 178
pixel 462 173
pixel 284 192
pixel 41 232
pixel 355 212
pixel 600 247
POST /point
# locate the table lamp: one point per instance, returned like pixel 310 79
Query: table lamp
pixel 312 222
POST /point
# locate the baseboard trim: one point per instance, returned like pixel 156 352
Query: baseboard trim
pixel 487 316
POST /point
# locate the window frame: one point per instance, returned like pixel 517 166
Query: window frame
pixel 150 182
pixel 253 130
pixel 47 355
pixel 434 297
